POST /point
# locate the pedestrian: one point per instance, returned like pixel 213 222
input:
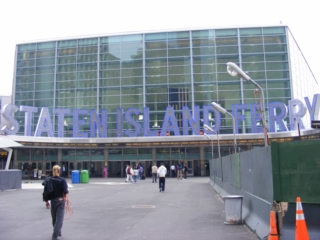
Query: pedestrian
pixel 140 172
pixel 63 171
pixel 162 171
pixel 185 171
pixel 154 172
pixel 129 172
pixel 179 168
pixel 60 189
pixel 136 173
pixel 173 171
pixel 105 171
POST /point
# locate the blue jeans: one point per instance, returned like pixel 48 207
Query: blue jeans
pixel 154 177
pixel 140 175
pixel 135 177
pixel 57 214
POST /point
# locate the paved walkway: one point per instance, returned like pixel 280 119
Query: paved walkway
pixel 112 209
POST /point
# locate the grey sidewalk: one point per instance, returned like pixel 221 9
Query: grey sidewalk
pixel 115 210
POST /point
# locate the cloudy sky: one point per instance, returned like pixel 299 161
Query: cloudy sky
pixel 29 20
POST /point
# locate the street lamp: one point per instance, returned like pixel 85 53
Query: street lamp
pixel 224 111
pixel 235 71
pixel 206 127
pixel 207 136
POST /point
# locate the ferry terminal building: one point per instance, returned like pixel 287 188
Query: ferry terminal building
pixel 126 74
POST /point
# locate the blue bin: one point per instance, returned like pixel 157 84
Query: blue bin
pixel 75 176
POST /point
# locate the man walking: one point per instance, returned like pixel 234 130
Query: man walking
pixel 179 168
pixel 173 170
pixel 162 171
pixel 154 171
pixel 60 189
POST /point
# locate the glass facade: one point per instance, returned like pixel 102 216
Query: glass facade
pixel 156 70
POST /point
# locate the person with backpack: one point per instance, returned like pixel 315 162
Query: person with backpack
pixel 179 169
pixel 56 188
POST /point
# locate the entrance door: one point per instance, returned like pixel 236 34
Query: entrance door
pixel 190 168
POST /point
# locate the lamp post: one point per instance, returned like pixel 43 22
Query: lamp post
pixel 235 71
pixel 224 111
pixel 206 127
pixel 207 136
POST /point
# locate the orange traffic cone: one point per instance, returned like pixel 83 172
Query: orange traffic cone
pixel 301 227
pixel 273 235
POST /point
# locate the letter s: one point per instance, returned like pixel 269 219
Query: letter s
pixel 7 114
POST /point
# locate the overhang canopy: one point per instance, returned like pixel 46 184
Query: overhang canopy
pixel 7 143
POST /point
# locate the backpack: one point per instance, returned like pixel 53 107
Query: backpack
pixel 128 170
pixel 48 189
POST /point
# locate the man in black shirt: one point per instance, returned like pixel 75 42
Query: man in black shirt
pixel 60 188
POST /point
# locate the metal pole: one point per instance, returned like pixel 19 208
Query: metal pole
pixel 265 131
pixel 234 132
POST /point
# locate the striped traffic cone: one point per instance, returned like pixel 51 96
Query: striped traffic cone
pixel 273 235
pixel 301 227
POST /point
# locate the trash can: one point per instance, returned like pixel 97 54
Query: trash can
pixel 233 209
pixel 75 176
pixel 84 177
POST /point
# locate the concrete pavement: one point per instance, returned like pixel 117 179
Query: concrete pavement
pixel 112 209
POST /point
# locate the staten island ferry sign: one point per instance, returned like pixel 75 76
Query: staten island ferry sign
pixel 278 111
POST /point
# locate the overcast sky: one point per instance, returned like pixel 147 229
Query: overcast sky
pixel 31 20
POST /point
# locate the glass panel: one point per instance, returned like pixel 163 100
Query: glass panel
pixel 44 94
pixel 226 32
pixel 156 62
pixel 226 50
pixel 155 36
pixel 132 38
pixel 252 49
pixel 86 75
pixel 111 48
pixel 131 72
pixel 24 95
pixel 87 50
pixel 45 53
pixel 110 82
pixel 274 39
pixel 51 154
pixel 45 61
pixel 87 58
pixel 67 43
pixel 45 70
pixel 88 41
pixel 203 34
pixel 156 45
pixel 26 55
pixel 250 31
pixel 276 48
pixel 110 73
pixel 44 103
pixel 67 60
pixel 44 86
pixel 178 52
pixel 25 71
pixel 46 45
pixel 44 78
pixel 156 53
pixel 24 79
pixel 251 40
pixel 132 64
pixel 26 63
pixel 115 39
pixel 226 41
pixel 27 47
pixel 24 87
pixel 177 35
pixel 179 44
pixel 273 30
pixel 87 67
pixel 67 51
pixel 156 80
